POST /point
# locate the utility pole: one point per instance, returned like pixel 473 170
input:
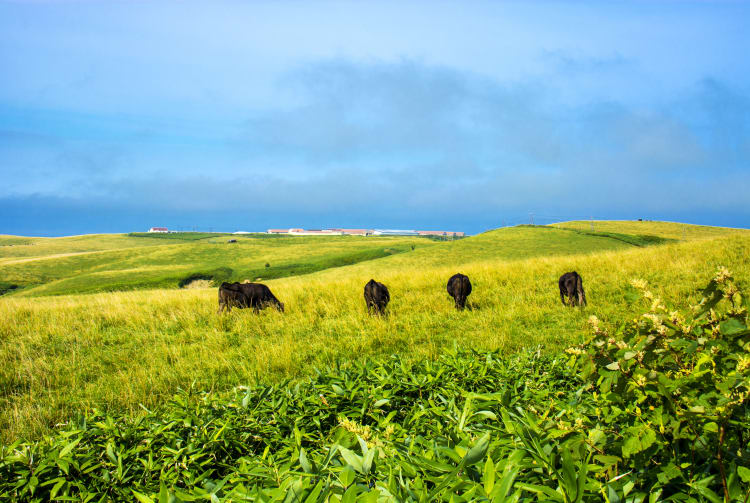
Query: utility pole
pixel 531 218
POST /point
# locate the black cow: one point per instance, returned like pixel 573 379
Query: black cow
pixel 240 295
pixel 376 297
pixel 571 285
pixel 459 287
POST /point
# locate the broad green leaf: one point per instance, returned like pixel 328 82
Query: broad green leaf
pixel 304 463
pixel 347 476
pixel 488 479
pixel 163 493
pixel 706 492
pixel 351 459
pixel 477 452
pixel 629 485
pixel 142 497
pixel 538 489
pixel 66 450
pixel 486 413
pixel 732 326
pixel 313 496
pixel 367 460
pixel 641 438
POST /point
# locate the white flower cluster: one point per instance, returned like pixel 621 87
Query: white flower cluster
pixel 640 284
pixel 722 274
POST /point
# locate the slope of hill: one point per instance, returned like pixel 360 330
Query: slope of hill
pixel 86 264
pixel 109 263
pixel 668 230
pixel 118 350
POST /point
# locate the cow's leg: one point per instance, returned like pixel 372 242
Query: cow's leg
pixel 562 296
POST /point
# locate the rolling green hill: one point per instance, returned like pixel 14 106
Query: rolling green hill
pixel 127 262
pixel 116 350
pixel 97 263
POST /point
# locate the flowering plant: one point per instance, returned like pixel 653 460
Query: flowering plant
pixel 675 387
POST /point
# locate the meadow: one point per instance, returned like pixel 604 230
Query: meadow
pixel 96 263
pixel 133 348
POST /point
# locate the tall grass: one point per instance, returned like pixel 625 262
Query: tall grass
pixel 119 350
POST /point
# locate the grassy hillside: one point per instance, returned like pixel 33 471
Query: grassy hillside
pixel 119 350
pixel 668 230
pixel 110 263
pixel 86 264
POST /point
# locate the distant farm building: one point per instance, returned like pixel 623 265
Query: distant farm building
pixel 354 232
pixel 394 232
pixel 442 233
pixel 158 229
pixel 362 232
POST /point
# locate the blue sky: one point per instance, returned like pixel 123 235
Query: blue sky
pixel 119 116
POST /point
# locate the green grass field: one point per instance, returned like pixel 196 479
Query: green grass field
pixel 128 262
pixel 67 348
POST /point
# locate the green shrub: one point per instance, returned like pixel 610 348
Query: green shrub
pixel 672 395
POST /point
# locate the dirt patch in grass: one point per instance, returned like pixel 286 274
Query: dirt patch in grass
pixel 199 283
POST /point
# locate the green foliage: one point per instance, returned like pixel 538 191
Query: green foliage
pixel 657 412
pixel 672 393
pixel 454 428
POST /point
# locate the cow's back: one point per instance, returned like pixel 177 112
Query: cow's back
pixel 376 295
pixel 459 285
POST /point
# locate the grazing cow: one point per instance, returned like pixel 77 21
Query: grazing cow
pixel 376 297
pixel 459 287
pixel 240 295
pixel 571 285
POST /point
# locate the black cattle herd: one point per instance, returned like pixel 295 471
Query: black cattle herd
pixel 259 296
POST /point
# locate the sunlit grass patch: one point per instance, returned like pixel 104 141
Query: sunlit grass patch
pixel 118 350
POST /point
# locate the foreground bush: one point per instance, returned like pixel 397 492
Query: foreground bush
pixel 657 410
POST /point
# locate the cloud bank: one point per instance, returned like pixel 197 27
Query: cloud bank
pixel 373 141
